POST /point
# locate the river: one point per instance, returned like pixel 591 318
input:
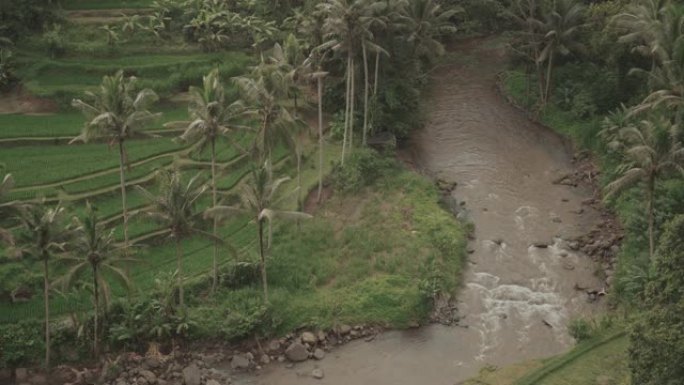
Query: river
pixel 517 299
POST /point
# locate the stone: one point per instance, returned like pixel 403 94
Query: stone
pixel 39 379
pixel 345 329
pixel 574 245
pixel 321 336
pixel 317 373
pixel 265 359
pixel 192 375
pixel 150 377
pixel 540 245
pixel 274 346
pixel 308 338
pixel 152 362
pixel 21 374
pixel 239 361
pixel 319 354
pixel 212 382
pixel 281 358
pixel 296 352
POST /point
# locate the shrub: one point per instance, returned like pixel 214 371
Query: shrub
pixel 21 344
pixel 54 42
pixel 361 169
pixel 580 329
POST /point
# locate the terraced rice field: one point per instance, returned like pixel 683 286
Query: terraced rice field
pixel 35 148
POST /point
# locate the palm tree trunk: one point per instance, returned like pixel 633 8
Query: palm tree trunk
pixel 214 202
pixel 179 269
pixel 365 95
pixel 351 106
pixel 46 300
pixel 346 108
pixel 549 72
pixel 122 177
pixel 377 74
pixel 320 137
pixel 96 293
pixel 651 216
pixel 264 279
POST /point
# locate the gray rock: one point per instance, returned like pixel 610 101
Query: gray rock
pixel 152 362
pixel 21 374
pixel 321 336
pixel 319 354
pixel 192 375
pixel 344 329
pixel 39 379
pixel 296 352
pixel 150 377
pixel 239 361
pixel 274 345
pixel 265 359
pixel 317 373
pixel 309 338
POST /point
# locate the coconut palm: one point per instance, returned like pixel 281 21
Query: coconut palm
pixel 528 39
pixel 562 24
pixel 174 206
pixel 258 200
pixel 116 113
pixel 94 254
pixel 214 116
pixel 651 150
pixel 43 236
pixel 426 21
pixel 111 34
pixel 344 27
pixel 266 93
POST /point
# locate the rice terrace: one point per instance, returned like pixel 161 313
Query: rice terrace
pixel 213 192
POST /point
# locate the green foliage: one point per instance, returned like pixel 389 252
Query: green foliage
pixel 580 329
pixel 26 16
pixel 362 169
pixel 8 77
pixel 21 344
pixel 54 42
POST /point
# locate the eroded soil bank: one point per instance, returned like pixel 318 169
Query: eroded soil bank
pixel 520 290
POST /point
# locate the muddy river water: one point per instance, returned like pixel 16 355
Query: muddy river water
pixel 517 299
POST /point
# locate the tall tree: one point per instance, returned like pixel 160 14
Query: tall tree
pixel 344 27
pixel 213 116
pixel 93 255
pixel 650 150
pixel 116 113
pixel 43 236
pixel 562 24
pixel 426 21
pixel 258 200
pixel 175 207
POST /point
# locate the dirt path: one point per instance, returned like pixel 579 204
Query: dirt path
pixel 518 298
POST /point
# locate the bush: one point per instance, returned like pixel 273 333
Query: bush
pixel 361 169
pixel 580 330
pixel 21 344
pixel 54 42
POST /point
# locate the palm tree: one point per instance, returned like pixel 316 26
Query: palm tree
pixel 528 38
pixel 174 207
pixel 258 198
pixel 426 21
pixel 290 59
pixel 6 185
pixel 94 252
pixel 561 26
pixel 213 116
pixel 266 92
pixel 111 34
pixel 43 236
pixel 115 114
pixel 651 149
pixel 344 27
